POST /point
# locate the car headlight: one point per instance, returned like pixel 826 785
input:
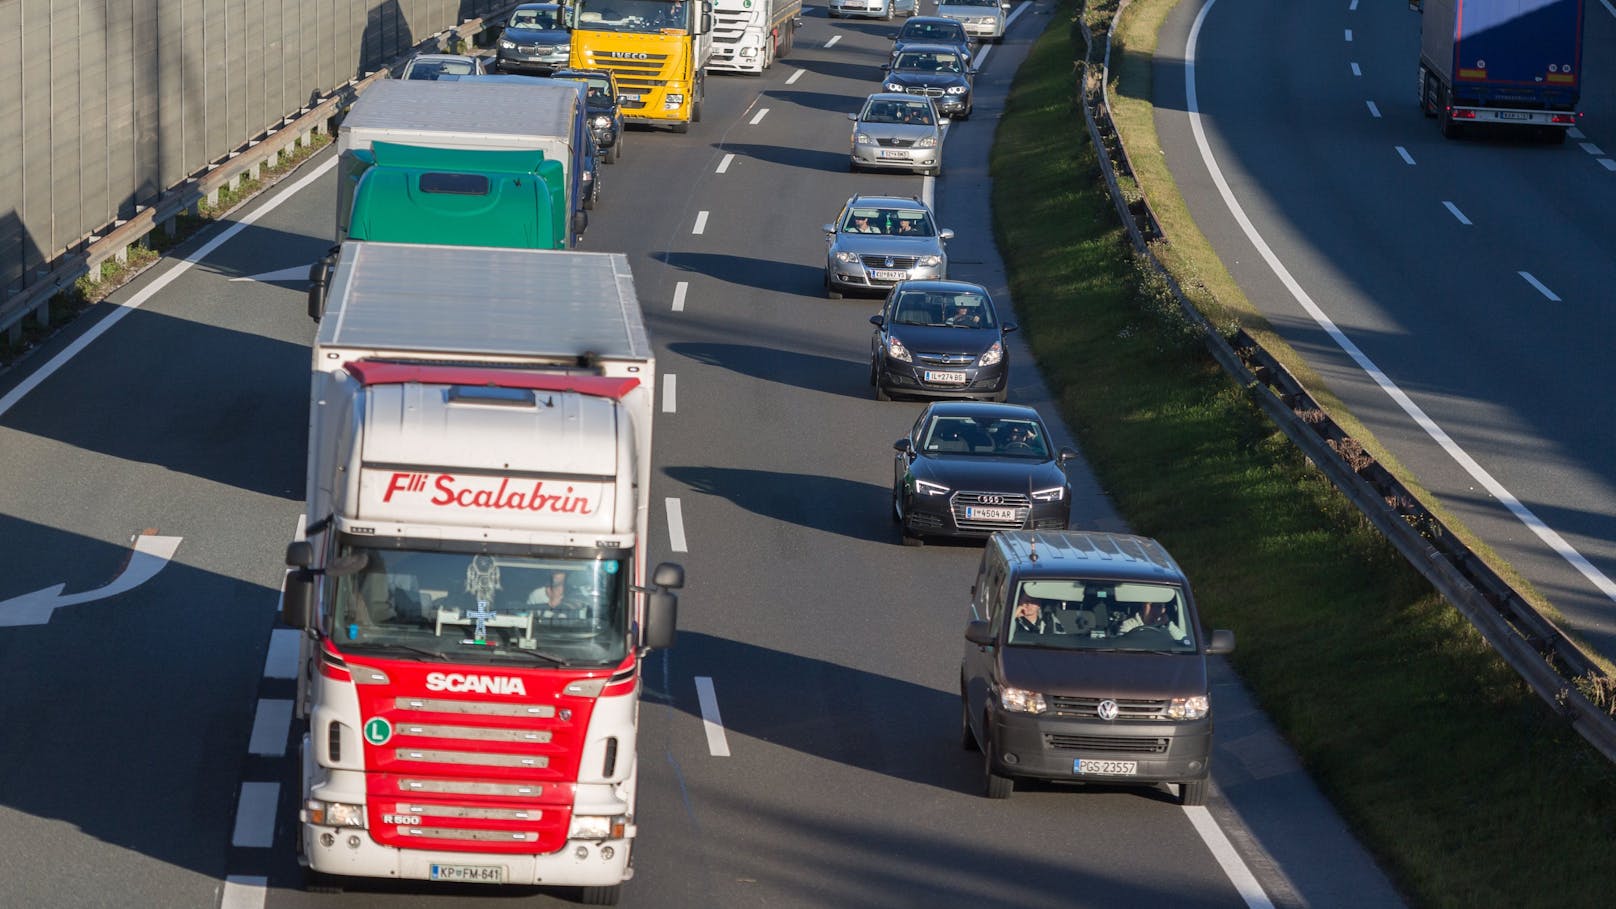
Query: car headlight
pixel 1020 700
pixel 992 355
pixel 1188 708
pixel 928 488
pixel 507 45
pixel 861 139
pixel 929 261
pixel 587 176
pixel 587 827
pixel 1052 494
pixel 958 89
pixel 602 122
pixel 334 814
pixel 897 351
pixel 927 142
pixel 846 258
pixel 893 87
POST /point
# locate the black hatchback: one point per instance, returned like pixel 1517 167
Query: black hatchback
pixel 940 339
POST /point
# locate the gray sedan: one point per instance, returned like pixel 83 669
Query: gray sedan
pixel 895 130
pixel 878 241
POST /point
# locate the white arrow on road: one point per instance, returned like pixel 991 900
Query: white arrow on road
pixel 150 555
pixel 284 275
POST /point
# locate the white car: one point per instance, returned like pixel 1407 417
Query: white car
pixel 874 9
pixel 984 20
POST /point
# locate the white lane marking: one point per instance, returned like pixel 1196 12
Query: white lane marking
pixel 1591 149
pixel 1349 35
pixel 1608 8
pixel 724 164
pixel 1403 153
pixel 1353 6
pixel 679 291
pixel 928 191
pixel 1454 210
pixel 296 272
pixel 668 383
pixel 795 76
pixel 1355 70
pixel 833 40
pixel 1373 110
pixel 1574 133
pixel 676 525
pixel 701 222
pixel 1010 20
pixel 244 892
pixel 1551 295
pixel 281 661
pixel 1245 883
pixel 270 725
pixel 1607 163
pixel 150 554
pixel 150 290
pixel 255 815
pixel 981 55
pixel 1506 498
pixel 757 117
pixel 710 718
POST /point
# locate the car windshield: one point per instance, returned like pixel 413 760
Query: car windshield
pixel 465 607
pixel 944 309
pixel 644 16
pixel 544 19
pixel 990 3
pixel 928 62
pixel 902 222
pixel 931 30
pixel 908 113
pixel 1007 437
pixel 1084 614
pixel 432 69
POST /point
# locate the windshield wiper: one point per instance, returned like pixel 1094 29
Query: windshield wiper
pixel 430 654
pixel 550 658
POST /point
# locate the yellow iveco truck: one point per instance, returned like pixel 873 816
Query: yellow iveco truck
pixel 658 50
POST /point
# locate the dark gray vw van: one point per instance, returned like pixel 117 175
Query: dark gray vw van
pixel 1085 661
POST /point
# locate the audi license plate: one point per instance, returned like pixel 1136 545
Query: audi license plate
pixel 945 378
pixel 883 275
pixel 893 153
pixel 475 874
pixel 1105 768
pixel 1513 115
pixel 977 513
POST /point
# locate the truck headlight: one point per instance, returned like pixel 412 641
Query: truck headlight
pixel 992 355
pixel 847 258
pixel 861 139
pixel 1188 708
pixel 588 827
pixel 893 87
pixel 1052 494
pixel 897 351
pixel 334 814
pixel 749 52
pixel 929 261
pixel 675 98
pixel 958 89
pixel 1020 700
pixel 926 487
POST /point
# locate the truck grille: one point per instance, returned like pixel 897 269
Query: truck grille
pixel 1020 505
pixel 889 261
pixel 1089 708
pixel 728 26
pixel 632 74
pixel 1117 744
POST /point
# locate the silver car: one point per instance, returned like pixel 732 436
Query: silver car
pixel 984 20
pixel 895 130
pixel 877 241
pixel 877 9
pixel 432 66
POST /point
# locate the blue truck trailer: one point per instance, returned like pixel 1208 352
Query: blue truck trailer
pixel 1507 63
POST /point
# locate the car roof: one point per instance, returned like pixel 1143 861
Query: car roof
pixel 888 202
pixel 980 409
pixel 466 57
pixel 1088 553
pixel 932 20
pixel 895 96
pixel 930 47
pixel 942 287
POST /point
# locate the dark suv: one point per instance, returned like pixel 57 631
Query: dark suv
pixel 1085 661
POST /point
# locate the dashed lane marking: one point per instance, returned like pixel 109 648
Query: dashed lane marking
pixel 669 383
pixel 1454 210
pixel 833 40
pixel 1355 70
pixel 281 661
pixel 1403 153
pixel 1551 295
pixel 711 720
pixel 701 222
pixel 676 525
pixel 1373 110
pixel 724 164
pixel 1591 149
pixel 795 76
pixel 271 723
pixel 679 291
pixel 244 892
pixel 255 815
pixel 758 117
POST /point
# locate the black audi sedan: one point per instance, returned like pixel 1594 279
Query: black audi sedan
pixel 969 468
pixel 938 71
pixel 939 339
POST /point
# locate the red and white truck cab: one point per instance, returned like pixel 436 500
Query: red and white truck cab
pixel 471 587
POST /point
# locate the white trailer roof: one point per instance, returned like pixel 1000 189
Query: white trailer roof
pixel 470 301
pixel 457 114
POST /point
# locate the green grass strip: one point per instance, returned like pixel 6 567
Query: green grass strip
pixel 1465 785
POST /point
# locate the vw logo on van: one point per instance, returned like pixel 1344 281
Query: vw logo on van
pixel 1107 710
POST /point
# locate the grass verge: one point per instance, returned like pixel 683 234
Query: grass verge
pixel 1469 790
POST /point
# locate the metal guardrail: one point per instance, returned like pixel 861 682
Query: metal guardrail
pixel 1539 652
pixel 247 160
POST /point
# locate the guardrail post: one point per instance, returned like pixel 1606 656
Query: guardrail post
pixel 42 313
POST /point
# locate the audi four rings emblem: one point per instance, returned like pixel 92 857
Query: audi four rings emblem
pixel 1107 710
pixel 992 500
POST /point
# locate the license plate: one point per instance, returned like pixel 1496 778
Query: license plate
pixel 901 153
pixel 949 378
pixel 881 275
pixel 990 514
pixel 628 96
pixel 1513 115
pixel 1105 768
pixel 476 874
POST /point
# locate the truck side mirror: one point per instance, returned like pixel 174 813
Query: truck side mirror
pixel 300 554
pixel 669 575
pixel 297 598
pixel 319 277
pixel 980 634
pixel 661 620
pixel 1222 642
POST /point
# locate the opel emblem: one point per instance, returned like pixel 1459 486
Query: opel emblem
pixel 1107 710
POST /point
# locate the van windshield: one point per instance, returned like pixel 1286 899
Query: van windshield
pixel 1083 614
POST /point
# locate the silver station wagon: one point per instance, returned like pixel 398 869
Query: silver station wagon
pixel 877 241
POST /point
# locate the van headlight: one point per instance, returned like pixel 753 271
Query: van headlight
pixel 1188 708
pixel 929 261
pixel 1052 494
pixel 590 827
pixel 1020 700
pixel 334 814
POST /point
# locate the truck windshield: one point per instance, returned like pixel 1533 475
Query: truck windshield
pixel 461 607
pixel 652 17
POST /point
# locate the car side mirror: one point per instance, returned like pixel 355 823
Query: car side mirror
pixel 980 634
pixel 1222 642
pixel 942 121
pixel 878 320
pixel 901 445
pixel 852 116
pixel 1009 327
pixel 1067 454
pixel 829 228
pixel 945 234
pixel 1005 7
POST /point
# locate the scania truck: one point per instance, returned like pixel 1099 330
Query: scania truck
pixel 658 49
pixel 749 35
pixel 1511 63
pixel 470 585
